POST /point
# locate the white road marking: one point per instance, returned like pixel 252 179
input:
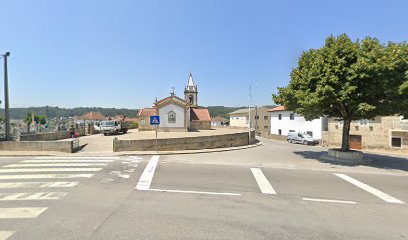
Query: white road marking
pixel 5 234
pixel 36 176
pixel 369 189
pixel 18 170
pixel 54 165
pixel 23 212
pixel 193 192
pixel 126 176
pixel 37 184
pixel 328 200
pixel 66 161
pixel 32 196
pixel 147 176
pixel 263 183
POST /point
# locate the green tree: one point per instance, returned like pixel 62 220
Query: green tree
pixel 349 81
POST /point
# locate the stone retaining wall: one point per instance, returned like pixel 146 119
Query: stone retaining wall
pixel 185 143
pixel 59 146
pixel 50 136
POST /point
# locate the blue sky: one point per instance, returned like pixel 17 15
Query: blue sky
pixel 126 53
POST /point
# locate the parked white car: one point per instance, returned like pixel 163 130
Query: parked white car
pixel 301 137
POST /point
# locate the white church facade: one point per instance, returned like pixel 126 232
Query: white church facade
pixel 177 114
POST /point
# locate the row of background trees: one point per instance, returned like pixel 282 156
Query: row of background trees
pixel 52 112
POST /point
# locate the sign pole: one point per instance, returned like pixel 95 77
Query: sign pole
pixel 156 140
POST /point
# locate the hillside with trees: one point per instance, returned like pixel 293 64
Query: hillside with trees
pixel 21 113
pixel 51 112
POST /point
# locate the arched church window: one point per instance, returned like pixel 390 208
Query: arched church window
pixel 191 99
pixel 172 116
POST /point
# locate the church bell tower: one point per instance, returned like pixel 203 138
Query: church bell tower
pixel 190 92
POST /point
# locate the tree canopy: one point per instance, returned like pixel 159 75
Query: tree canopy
pixel 349 81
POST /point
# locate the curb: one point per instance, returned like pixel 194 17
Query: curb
pixel 211 150
pixel 140 152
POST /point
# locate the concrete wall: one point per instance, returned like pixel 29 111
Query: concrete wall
pixel 186 143
pixel 59 146
pixel 298 124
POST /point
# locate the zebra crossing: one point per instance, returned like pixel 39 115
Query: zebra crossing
pixel 31 178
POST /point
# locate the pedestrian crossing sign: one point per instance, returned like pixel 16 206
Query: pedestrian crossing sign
pixel 154 120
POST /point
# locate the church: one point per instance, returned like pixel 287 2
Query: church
pixel 177 114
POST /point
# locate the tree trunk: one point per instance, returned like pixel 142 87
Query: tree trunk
pixel 345 142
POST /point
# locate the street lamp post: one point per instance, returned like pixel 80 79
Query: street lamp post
pixel 6 98
pixel 249 111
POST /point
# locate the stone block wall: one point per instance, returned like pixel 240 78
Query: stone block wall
pixel 185 143
pixel 59 146
pixel 376 134
pixel 200 125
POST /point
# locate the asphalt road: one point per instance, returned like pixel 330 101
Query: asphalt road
pixel 277 191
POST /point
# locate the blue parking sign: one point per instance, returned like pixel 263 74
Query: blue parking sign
pixel 154 120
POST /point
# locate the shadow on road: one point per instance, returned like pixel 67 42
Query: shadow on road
pixel 377 160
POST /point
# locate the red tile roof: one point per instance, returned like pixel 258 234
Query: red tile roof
pixel 147 112
pixel 200 114
pixel 279 108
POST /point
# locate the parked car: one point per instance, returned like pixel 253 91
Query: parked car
pixel 301 137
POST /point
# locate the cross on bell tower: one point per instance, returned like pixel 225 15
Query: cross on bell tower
pixel 190 92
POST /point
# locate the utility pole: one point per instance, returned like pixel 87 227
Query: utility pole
pixel 6 98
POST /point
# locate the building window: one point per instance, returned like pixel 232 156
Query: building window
pixel 280 116
pixel 172 117
pixel 256 117
pixel 280 131
pixel 310 133
pixel 396 142
pixel 265 117
pixel 292 116
pixel 265 127
pixel 291 130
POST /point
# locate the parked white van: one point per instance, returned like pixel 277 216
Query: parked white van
pixel 301 137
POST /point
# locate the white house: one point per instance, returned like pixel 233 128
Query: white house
pixel 284 121
pixel 218 122
pixel 239 118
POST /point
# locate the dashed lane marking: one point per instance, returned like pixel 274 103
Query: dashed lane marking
pixel 328 200
pixel 369 189
pixel 263 183
pixel 32 196
pixel 5 234
pixel 192 192
pixel 54 165
pixel 38 176
pixel 22 212
pixel 18 170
